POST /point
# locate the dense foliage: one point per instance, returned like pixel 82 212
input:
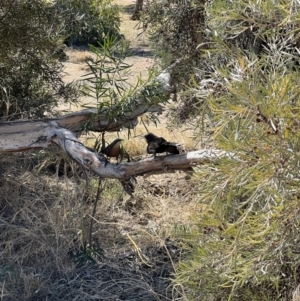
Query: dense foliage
pixel 88 22
pixel 245 242
pixel 174 28
pixel 33 33
pixel 30 53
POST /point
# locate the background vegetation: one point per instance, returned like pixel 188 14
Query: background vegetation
pixel 237 84
pixel 88 22
pixel 33 34
pixel 31 52
pixel 244 243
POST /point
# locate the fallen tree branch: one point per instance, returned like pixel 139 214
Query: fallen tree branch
pixel 63 131
pixel 161 86
pixel 32 135
pixel 147 100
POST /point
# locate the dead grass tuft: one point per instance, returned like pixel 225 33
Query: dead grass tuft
pixel 44 225
pixel 79 56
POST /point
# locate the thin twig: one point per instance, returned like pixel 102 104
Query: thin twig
pixel 138 251
pixel 99 190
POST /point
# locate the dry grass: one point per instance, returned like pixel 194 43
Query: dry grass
pixel 45 216
pixel 79 56
pixel 45 220
pixel 296 294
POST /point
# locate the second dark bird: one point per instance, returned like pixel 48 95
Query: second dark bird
pixel 113 150
pixel 160 145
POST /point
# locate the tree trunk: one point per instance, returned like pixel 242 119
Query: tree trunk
pixel 137 10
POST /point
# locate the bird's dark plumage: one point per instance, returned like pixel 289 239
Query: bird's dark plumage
pixel 113 150
pixel 160 145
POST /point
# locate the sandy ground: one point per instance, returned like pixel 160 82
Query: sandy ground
pixel 141 58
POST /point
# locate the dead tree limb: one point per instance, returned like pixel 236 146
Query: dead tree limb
pixel 148 99
pixel 63 131
pixel 25 135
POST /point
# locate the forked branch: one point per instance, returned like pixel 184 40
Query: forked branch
pixel 25 135
pixel 63 131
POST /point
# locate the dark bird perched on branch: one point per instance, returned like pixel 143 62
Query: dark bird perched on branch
pixel 161 145
pixel 113 150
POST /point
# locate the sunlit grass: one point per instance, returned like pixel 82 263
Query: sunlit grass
pixel 79 56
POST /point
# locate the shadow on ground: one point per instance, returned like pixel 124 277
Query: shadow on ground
pixel 138 51
pixel 121 279
pixel 128 9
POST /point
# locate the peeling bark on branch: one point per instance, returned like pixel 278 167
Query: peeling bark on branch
pixel 160 87
pixel 25 135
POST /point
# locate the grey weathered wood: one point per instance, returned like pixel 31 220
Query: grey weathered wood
pixel 24 135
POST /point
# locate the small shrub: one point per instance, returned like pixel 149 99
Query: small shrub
pixel 245 242
pixel 88 22
pixel 30 54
